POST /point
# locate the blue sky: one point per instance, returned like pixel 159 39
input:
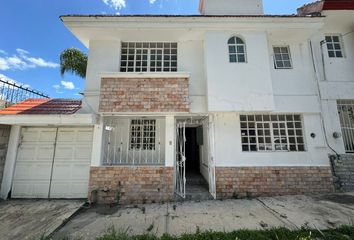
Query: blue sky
pixel 33 36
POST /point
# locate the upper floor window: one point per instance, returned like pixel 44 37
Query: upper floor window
pixel 148 57
pixel 334 46
pixel 237 50
pixel 282 57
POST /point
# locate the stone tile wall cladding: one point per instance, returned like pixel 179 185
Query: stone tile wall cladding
pixel 272 181
pixel 344 170
pixel 130 185
pixel 4 139
pixel 144 95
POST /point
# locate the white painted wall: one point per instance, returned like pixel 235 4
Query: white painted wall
pixel 238 86
pixel 104 56
pixel 9 168
pixel 232 7
pixel 229 152
pixel 335 75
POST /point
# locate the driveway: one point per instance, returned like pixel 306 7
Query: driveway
pixel 293 212
pixel 30 219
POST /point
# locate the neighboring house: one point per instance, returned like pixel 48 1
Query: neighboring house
pixel 234 95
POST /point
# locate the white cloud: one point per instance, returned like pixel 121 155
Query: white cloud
pixel 152 1
pixel 23 61
pixel 10 80
pixel 56 86
pixel 68 85
pixel 116 4
pixel 3 52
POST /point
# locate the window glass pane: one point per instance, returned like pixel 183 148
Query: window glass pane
pixel 139 53
pixel 239 40
pixel 241 58
pixel 232 40
pixel 272 133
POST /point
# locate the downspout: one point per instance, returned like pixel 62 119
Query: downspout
pixel 332 159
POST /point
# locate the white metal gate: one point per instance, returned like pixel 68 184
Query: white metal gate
pixel 211 163
pixel 180 182
pixel 346 117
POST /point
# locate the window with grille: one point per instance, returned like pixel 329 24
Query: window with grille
pixel 346 117
pixel 148 57
pixel 237 50
pixel 142 134
pixel 282 57
pixel 272 133
pixel 334 46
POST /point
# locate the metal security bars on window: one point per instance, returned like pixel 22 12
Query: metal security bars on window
pixel 272 133
pixel 334 46
pixel 282 57
pixel 142 134
pixel 346 117
pixel 129 141
pixel 148 57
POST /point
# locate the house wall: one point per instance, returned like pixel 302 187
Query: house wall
pixel 335 75
pixel 4 140
pixel 104 57
pixel 136 94
pixel 127 185
pixel 225 90
pixel 232 7
pixel 238 86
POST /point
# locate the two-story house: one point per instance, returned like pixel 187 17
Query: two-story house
pixel 246 101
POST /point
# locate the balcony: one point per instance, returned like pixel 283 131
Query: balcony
pixel 144 92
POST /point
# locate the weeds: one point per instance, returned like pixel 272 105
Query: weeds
pixel 343 233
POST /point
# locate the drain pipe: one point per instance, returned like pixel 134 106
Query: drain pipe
pixel 337 156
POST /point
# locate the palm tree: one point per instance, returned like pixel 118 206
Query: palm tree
pixel 74 61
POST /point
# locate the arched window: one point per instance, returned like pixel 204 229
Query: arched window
pixel 237 50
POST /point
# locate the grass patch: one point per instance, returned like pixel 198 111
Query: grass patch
pixel 343 233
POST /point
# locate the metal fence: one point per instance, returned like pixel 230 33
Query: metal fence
pixel 346 116
pixel 11 93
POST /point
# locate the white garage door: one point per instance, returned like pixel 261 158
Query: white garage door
pixel 53 163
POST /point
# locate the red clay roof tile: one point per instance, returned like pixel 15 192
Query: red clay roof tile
pixel 43 106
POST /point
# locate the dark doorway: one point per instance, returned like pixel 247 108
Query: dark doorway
pixel 192 151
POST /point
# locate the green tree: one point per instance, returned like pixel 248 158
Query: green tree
pixel 74 61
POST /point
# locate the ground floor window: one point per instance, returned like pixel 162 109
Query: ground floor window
pixel 346 117
pixel 272 133
pixel 133 141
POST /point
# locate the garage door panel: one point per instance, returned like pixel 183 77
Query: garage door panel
pixel 71 168
pixel 33 189
pixel 38 135
pixel 30 171
pixel 30 152
pixel 68 189
pixel 71 171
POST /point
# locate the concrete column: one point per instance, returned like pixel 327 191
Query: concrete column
pixel 170 141
pixel 9 168
pixel 97 142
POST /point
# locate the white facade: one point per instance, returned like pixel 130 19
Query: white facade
pixel 221 92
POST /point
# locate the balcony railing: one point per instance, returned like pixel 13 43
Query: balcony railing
pixel 11 93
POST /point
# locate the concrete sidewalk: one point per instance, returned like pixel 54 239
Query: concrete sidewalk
pixel 31 219
pixel 292 212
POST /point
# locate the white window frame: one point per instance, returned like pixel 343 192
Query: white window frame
pixel 281 54
pixel 236 53
pixel 272 136
pixel 173 57
pixel 332 43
